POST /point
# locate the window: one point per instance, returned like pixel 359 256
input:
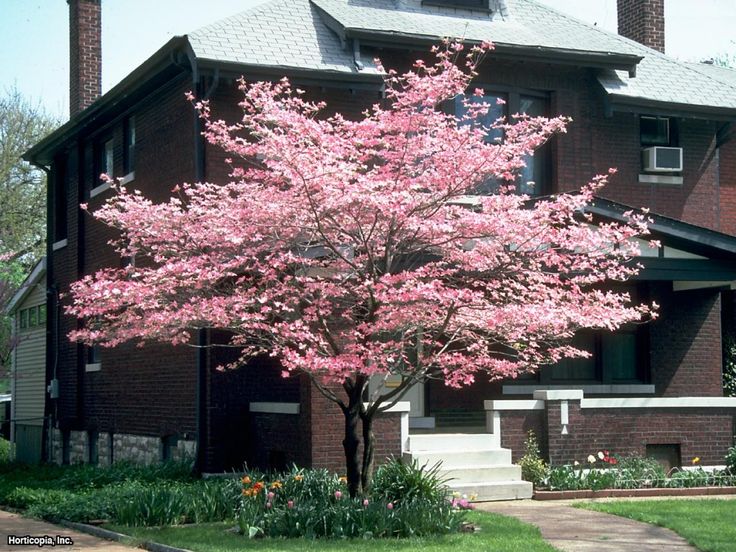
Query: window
pixel 41 314
pixel 92 448
pixel 657 131
pixel 129 145
pixel 32 317
pixel 93 355
pixel 94 362
pixel 471 4
pixel 23 315
pixel 59 182
pixel 617 358
pixel 168 445
pixel 104 161
pixel 533 179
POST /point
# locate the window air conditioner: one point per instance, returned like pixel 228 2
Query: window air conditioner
pixel 662 159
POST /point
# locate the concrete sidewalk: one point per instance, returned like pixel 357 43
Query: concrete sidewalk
pixel 576 530
pixel 14 524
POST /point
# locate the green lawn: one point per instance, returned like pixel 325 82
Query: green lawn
pixel 709 525
pixel 497 532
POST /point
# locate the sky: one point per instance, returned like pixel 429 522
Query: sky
pixel 34 48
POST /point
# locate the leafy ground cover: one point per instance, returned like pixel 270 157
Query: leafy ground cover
pixel 708 524
pixel 495 532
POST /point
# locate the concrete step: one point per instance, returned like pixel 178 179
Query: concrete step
pixel 473 474
pixel 451 442
pixel 460 458
pixel 495 490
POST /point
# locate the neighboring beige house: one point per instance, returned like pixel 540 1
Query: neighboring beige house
pixel 28 366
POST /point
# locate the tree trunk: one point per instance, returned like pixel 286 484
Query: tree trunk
pixel 350 444
pixel 369 441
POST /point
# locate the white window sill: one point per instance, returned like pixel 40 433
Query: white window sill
pixel 661 179
pixel 593 389
pixel 61 244
pixel 96 367
pixel 128 178
pixel 99 189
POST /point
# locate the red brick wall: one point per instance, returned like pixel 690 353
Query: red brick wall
pixel 326 425
pixel 727 185
pixel 146 391
pixel 515 427
pixel 685 343
pixel 164 379
pixel 643 21
pixel 85 53
pixel 627 431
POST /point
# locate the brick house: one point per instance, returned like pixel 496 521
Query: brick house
pixel 654 389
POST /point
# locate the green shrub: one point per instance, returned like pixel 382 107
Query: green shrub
pixel 4 451
pixel 688 478
pixel 731 460
pixel 398 481
pixel 406 500
pixel 347 518
pixel 729 365
pixel 635 472
pixel 533 468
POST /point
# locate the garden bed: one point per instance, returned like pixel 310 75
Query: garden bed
pixel 612 493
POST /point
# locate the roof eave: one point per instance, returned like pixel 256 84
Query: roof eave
pixel 42 153
pixel 33 278
pixel 634 104
pixel 370 80
pixel 586 58
pixel 716 244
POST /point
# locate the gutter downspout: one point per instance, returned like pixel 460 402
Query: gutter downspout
pixel 52 329
pixel 202 335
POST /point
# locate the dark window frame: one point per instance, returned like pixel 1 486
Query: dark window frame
pixel 93 355
pixel 129 145
pixel 101 163
pixel 481 5
pixel 512 97
pixel 673 134
pixel 60 200
pixel 93 450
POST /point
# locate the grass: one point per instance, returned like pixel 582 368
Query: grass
pixel 496 533
pixel 707 524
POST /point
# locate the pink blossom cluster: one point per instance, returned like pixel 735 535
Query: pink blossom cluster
pixel 346 248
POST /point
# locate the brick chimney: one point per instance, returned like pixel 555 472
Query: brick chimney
pixel 643 21
pixel 85 53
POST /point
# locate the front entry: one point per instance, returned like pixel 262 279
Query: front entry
pixel 416 396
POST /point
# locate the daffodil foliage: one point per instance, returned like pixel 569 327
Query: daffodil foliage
pixel 356 249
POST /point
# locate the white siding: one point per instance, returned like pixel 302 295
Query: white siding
pixel 29 364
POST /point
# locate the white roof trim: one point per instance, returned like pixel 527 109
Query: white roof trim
pixel 37 273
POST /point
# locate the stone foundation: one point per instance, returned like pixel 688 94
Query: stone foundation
pixel 138 449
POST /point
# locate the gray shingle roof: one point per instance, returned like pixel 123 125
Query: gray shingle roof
pixel 282 33
pixel 295 34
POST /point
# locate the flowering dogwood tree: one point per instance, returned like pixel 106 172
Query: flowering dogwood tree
pixel 348 250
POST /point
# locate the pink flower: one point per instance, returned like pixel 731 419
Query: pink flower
pixel 338 495
pixel 365 502
pixel 268 505
pixel 271 495
pixel 390 505
pixel 289 504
